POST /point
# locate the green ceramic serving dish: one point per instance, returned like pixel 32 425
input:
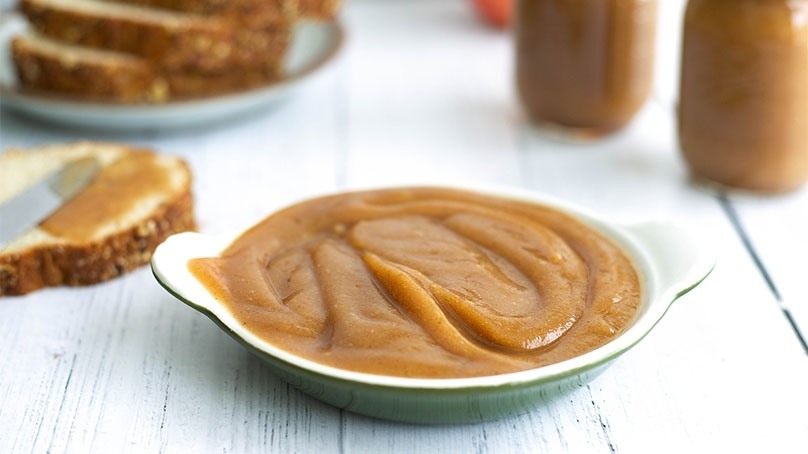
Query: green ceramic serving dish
pixel 670 259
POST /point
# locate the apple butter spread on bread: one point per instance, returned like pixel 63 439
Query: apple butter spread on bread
pixel 138 198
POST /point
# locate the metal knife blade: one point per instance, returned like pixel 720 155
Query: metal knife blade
pixel 27 209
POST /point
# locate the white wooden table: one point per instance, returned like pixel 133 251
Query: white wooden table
pixel 421 93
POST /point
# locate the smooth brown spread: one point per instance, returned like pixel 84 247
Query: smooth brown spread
pixel 109 197
pixel 743 108
pixel 425 282
pixel 584 65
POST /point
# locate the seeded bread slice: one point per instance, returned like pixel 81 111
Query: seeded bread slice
pixel 170 40
pixel 47 65
pixel 51 67
pixel 117 243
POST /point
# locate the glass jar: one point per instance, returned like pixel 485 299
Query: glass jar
pixel 743 100
pixel 584 66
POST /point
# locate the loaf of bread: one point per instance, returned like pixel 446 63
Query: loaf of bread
pixel 138 198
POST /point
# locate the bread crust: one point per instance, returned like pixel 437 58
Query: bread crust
pixel 194 85
pixel 73 263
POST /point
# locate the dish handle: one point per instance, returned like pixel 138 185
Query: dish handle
pixel 169 265
pixel 681 258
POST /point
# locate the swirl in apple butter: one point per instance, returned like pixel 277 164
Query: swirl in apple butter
pixel 425 282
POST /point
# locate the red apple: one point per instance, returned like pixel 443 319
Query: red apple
pixel 496 13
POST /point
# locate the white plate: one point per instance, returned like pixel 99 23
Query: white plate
pixel 313 45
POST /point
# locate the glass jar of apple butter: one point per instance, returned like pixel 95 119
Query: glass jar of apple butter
pixel 743 101
pixel 584 67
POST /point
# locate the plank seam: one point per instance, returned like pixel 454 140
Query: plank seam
pixel 735 220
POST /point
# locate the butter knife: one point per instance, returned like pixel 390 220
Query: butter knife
pixel 27 209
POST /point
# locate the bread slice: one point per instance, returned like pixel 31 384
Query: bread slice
pixel 172 41
pixel 128 217
pixel 43 64
pixel 54 67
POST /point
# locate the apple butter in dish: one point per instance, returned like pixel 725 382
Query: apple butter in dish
pixel 425 282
